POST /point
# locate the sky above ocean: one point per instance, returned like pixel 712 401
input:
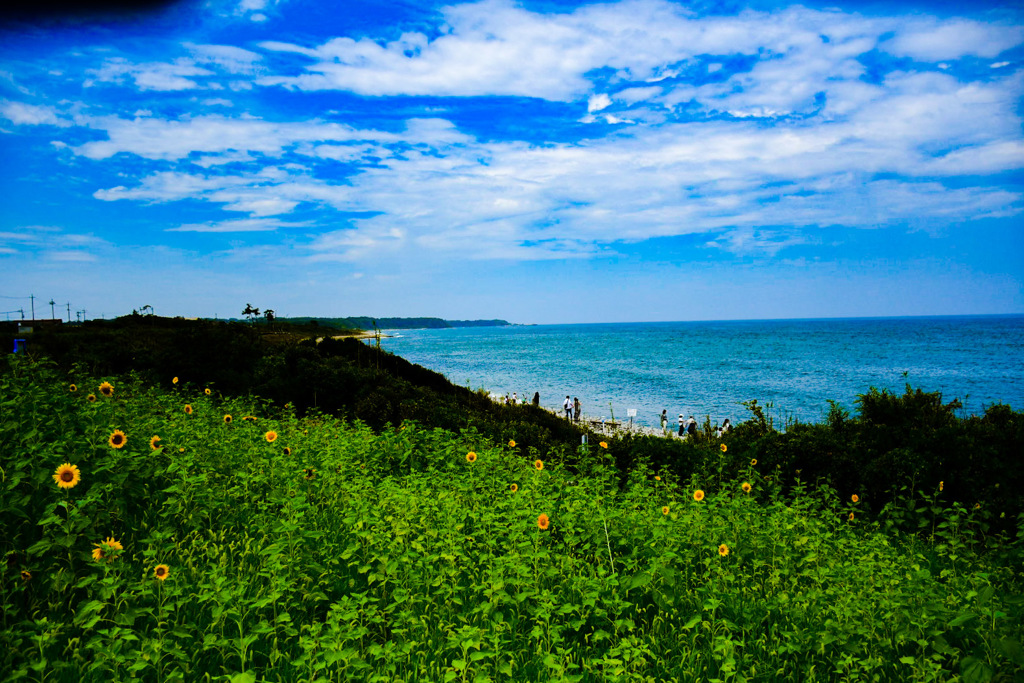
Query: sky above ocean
pixel 538 161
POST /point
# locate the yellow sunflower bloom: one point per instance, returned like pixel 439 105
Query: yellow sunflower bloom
pixel 698 495
pixel 174 381
pixel 538 464
pixel 67 476
pixel 543 522
pixel 26 575
pixel 107 389
pixel 188 408
pixel 287 450
pixel 227 419
pixel 855 498
pixel 471 456
pixel 656 478
pixel 664 510
pixel 941 484
pixel 723 550
pixel 106 548
pixel 851 516
pixel 753 462
pixel 746 487
pixel 72 388
pixel 91 398
pixel 207 391
pixel 270 436
pixel 512 443
pixel 514 488
pixel 117 439
pixel 603 444
pixel 161 571
pixel 724 448
pixel 154 443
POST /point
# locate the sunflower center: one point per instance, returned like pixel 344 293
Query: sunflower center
pixel 67 475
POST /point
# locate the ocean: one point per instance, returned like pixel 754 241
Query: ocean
pixel 709 368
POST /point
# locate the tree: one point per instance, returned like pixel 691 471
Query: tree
pixel 269 315
pixel 250 312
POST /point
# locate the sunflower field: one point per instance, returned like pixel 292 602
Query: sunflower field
pixel 174 534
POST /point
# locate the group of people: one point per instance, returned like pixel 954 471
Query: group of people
pixel 688 426
pixel 572 409
pixel 513 400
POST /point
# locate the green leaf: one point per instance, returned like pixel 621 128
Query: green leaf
pixel 1011 649
pixel 693 621
pixel 974 670
pixel 245 677
pixel 908 660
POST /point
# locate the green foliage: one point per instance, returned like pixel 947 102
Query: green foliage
pixel 315 548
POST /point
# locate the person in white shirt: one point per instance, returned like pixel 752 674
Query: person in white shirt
pixel 567 405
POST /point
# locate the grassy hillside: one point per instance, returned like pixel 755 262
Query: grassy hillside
pixel 897 447
pixel 208 537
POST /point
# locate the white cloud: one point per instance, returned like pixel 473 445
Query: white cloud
pixel 598 102
pixel 933 40
pixel 237 225
pixel 23 114
pixel 159 76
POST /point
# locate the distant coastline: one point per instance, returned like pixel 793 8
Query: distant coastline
pixel 371 323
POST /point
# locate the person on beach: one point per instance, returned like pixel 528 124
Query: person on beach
pixel 726 427
pixel 691 427
pixel 515 398
pixel 567 406
pixel 682 426
pixel 576 409
pixel 536 399
pixel 664 421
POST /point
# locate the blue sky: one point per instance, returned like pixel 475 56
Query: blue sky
pixel 542 162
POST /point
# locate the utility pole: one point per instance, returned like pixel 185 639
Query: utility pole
pixel 68 304
pixel 33 297
pixel 53 316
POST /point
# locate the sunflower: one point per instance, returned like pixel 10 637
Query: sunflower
pixel 161 571
pixel 227 419
pixel 723 550
pixel 117 439
pixel 188 408
pixel 698 495
pixel 855 498
pixel 270 436
pixel 104 548
pixel 603 444
pixel 514 487
pixel 67 476
pixel 287 451
pixel 543 522
pixel 664 510
pixel 657 478
pixel 538 464
pixel 207 391
pixel 107 389
pixel 851 516
pixel 308 472
pixel 724 448
pixel 746 487
pixel 26 575
pixel 941 485
pixel 174 381
pixel 154 443
pixel 511 443
pixel 72 388
pixel 753 462
pixel 91 398
pixel 471 456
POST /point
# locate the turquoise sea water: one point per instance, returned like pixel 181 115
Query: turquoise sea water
pixel 707 368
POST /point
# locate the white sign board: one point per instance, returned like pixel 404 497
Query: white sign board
pixel 631 412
